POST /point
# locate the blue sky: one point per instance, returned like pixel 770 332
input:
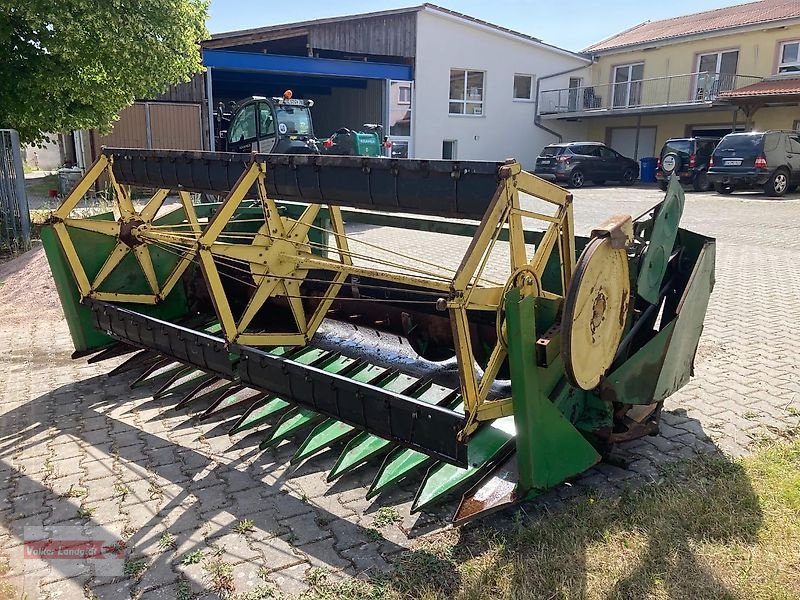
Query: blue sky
pixel 574 24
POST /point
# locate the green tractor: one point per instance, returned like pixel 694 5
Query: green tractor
pixel 284 126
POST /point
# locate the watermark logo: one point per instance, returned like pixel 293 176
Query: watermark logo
pixel 72 549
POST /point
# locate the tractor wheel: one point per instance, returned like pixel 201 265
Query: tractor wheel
pixel 778 184
pixel 723 188
pixel 700 182
pixel 628 176
pixel 576 179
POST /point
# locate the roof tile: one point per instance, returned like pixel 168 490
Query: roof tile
pixel 753 13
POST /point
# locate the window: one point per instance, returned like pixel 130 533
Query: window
pixel 628 85
pixel 523 87
pixel 716 73
pixel 266 125
pixel 608 153
pixel 244 126
pixel 449 149
pixel 466 92
pixel 793 144
pixel 789 57
pixel 294 120
pixel 404 94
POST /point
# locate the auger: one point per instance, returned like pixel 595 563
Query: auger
pixel 533 352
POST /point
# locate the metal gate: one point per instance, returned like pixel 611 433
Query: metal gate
pixel 14 217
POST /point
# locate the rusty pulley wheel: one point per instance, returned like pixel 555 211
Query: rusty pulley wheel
pixel 595 312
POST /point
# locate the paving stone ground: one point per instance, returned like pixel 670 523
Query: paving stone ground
pixel 80 448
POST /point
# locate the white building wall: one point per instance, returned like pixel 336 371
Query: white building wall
pixel 506 129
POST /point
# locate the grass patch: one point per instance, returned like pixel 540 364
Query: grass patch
pixel 712 529
pixel 135 568
pixel 219 574
pixel 192 558
pixel 244 526
pixel 41 186
pixel 86 512
pixel 184 590
pixel 74 492
pixel 386 516
pixel 167 541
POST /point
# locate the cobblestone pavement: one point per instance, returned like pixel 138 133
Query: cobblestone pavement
pixel 78 448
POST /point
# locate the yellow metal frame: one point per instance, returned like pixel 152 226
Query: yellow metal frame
pixel 280 258
pixel 138 222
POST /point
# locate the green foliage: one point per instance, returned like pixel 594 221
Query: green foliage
pixel 75 64
pixel 192 558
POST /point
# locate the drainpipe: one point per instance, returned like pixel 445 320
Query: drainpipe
pixel 536 120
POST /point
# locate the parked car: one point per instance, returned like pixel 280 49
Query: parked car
pixel 768 158
pixel 575 163
pixel 688 158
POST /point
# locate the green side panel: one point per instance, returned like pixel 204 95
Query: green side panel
pixel 549 448
pixel 489 444
pixel 331 431
pixel 92 249
pixel 635 380
pixel 662 239
pixel 692 309
pixel 79 318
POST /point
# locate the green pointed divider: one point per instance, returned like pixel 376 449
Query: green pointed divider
pixel 366 446
pixel 159 371
pixel 260 412
pixel 331 431
pixel 243 397
pixel 299 418
pixel 182 382
pixel 263 410
pixel 489 444
pixel 400 463
pixel 203 391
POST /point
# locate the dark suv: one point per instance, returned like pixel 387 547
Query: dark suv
pixel 574 163
pixel 689 158
pixel 770 159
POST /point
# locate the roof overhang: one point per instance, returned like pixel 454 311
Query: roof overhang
pixel 304 65
pixel 680 39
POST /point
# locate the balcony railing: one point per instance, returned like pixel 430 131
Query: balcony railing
pixel 674 90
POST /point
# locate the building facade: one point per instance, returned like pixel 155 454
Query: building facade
pixel 709 73
pixel 442 84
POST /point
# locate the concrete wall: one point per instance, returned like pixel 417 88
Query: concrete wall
pixel 506 129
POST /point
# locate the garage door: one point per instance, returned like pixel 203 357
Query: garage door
pixel 623 140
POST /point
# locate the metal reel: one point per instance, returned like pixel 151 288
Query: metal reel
pixel 595 312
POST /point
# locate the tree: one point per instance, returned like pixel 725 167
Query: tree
pixel 74 64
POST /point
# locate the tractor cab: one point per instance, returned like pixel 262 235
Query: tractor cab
pixel 267 125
